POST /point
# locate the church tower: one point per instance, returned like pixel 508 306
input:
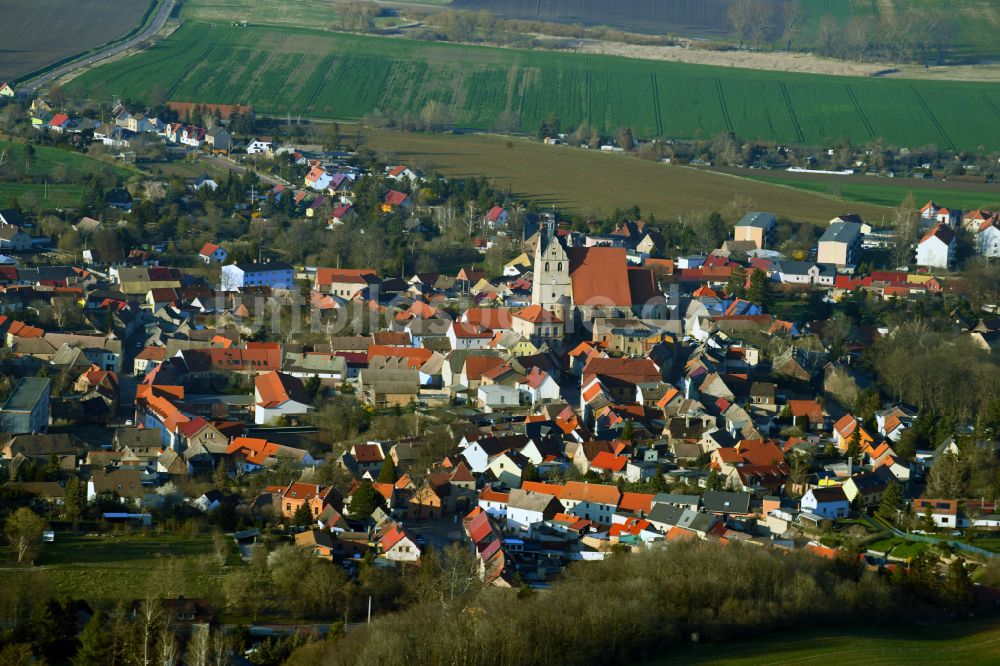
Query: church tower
pixel 551 286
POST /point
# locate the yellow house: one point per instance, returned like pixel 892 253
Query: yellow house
pixel 844 430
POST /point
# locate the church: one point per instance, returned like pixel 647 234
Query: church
pixel 580 284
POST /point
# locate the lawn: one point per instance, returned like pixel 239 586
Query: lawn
pixel 317 73
pixel 886 191
pixel 584 181
pixel 53 196
pixel 967 643
pixel 109 568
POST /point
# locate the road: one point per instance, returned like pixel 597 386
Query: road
pixel 155 26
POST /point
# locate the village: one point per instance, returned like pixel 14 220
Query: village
pixel 596 392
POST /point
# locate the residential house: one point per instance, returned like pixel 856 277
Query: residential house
pixel 219 140
pixel 261 145
pixel 318 543
pixel 840 244
pixel 526 509
pixel 26 410
pixel 496 217
pixel 944 512
pixel 12 239
pixel 398 544
pixel 395 200
pixel 869 487
pixel 273 274
pixel 937 247
pixel 757 228
pixel 291 497
pixel 538 325
pixel 345 283
pixel 278 395
pixel 212 254
pixel 830 502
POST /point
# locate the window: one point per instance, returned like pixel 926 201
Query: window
pixel 546 265
pixel 559 266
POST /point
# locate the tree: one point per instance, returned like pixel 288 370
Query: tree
pixel 892 502
pixel 714 481
pixel 313 386
pixel 854 445
pixel 628 430
pixel 388 472
pixel 947 478
pixel 927 519
pixel 365 500
pixel 958 589
pixel 95 643
pixel 906 224
pixel 791 22
pixel 303 515
pixel 736 287
pixel 759 290
pixel 24 532
pixel 76 500
pixel 549 127
pixel 740 15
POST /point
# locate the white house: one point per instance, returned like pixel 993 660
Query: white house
pixel 193 136
pixel 212 254
pixel 944 512
pixel 804 272
pixel 398 545
pixel 526 508
pixel 277 394
pixel 260 145
pixel 988 239
pixel 540 386
pixel 468 336
pixel 826 502
pixel 13 239
pixel 937 247
pixel 497 217
pixel 318 178
pixel 400 172
pixel 492 397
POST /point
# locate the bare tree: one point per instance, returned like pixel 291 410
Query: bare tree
pixel 199 650
pixel 760 23
pixel 222 648
pixel 791 22
pixel 167 649
pixel 150 615
pixel 906 225
pixel 740 15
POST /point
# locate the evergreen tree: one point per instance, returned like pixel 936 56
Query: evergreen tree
pixel 365 500
pixel 958 587
pixel 95 643
pixel 313 386
pixel 854 445
pixel 714 481
pixel 530 473
pixel 388 472
pixel 892 502
pixel 758 292
pixel 628 430
pixel 76 500
pixel 736 287
pixel 303 515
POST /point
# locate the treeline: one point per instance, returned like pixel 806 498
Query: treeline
pixel 621 610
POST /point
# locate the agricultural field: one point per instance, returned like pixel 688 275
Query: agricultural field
pixel 316 73
pixel 968 643
pixel 123 567
pixel 36 34
pixel 586 182
pixel 883 191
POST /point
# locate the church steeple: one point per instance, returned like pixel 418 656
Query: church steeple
pixel 551 285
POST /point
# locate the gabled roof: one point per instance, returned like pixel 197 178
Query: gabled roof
pixel 536 314
pixel 942 232
pixel 277 388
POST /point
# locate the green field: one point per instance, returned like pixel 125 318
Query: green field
pixel 968 643
pixel 317 73
pixel 887 192
pixel 110 568
pixel 57 165
pixel 591 182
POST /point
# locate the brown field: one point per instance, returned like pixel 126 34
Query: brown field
pixel 588 182
pixel 39 32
